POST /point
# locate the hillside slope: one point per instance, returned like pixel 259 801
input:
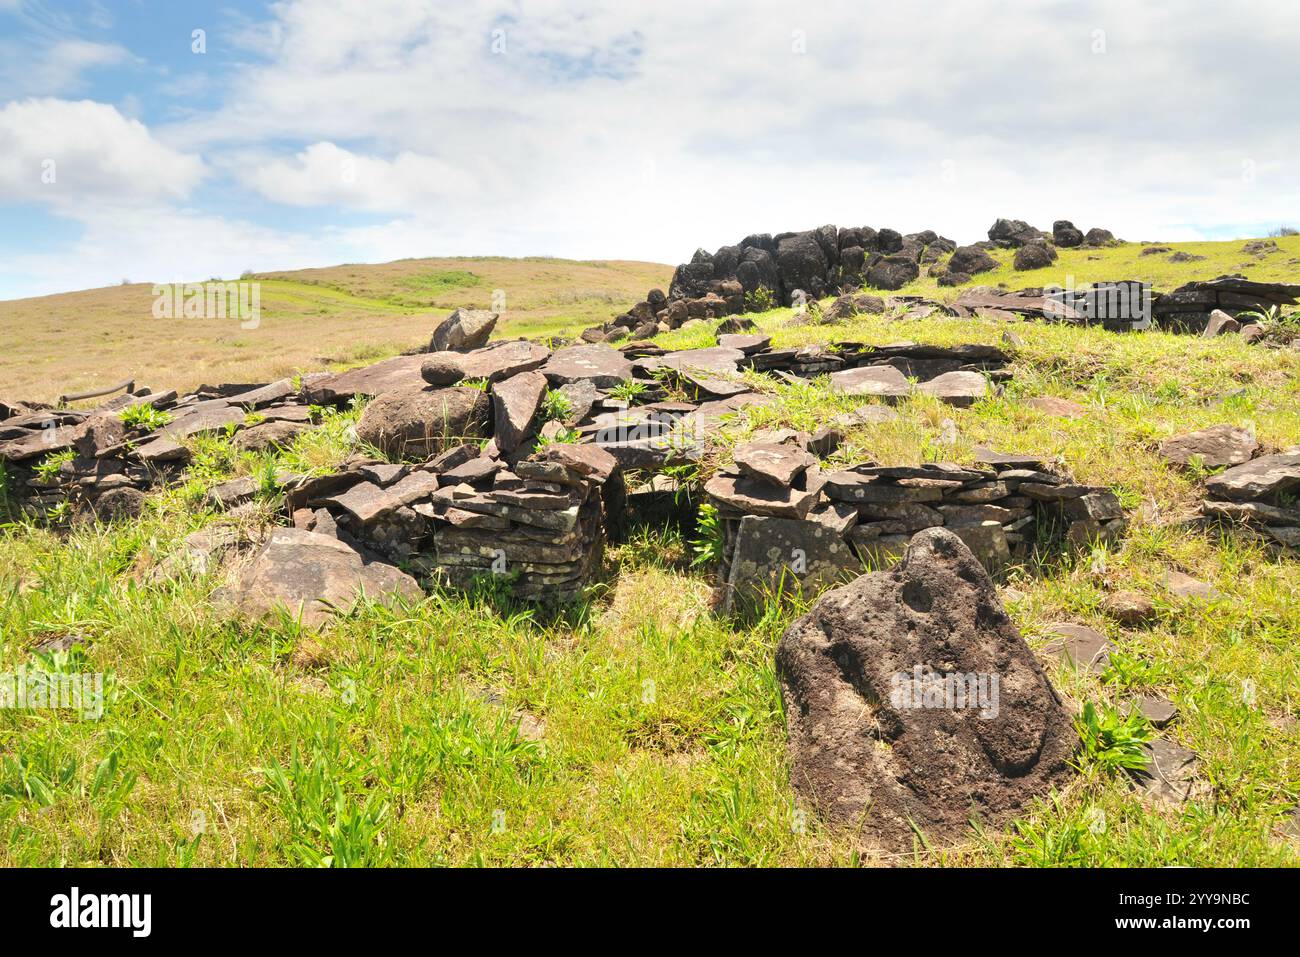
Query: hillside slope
pixel 311 319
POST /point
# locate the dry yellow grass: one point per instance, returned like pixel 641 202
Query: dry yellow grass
pixel 310 319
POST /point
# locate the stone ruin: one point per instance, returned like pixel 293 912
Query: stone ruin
pixel 787 524
pixel 475 487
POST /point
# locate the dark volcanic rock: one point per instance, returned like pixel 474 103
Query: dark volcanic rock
pixel 858 672
pixel 801 260
pixel 463 330
pixel 971 260
pixel 420 422
pixel 1035 255
pixel 893 272
pixel 1065 235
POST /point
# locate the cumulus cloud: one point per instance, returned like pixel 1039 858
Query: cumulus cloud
pixel 71 154
pixel 325 174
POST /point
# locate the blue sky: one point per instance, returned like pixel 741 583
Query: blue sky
pixel 311 132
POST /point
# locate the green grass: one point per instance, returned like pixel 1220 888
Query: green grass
pixel 640 728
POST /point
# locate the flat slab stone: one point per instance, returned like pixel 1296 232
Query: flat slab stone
pixel 602 365
pixel 1265 477
pixel 757 497
pixel 1185 586
pixel 501 360
pixel 746 343
pixel 1159 711
pixel 852 486
pixel 865 415
pixel 1170 778
pixel 776 556
pixel 773 462
pixel 1215 447
pixel 960 389
pixel 311 575
pixel 1083 648
pixel 390 375
pixel 714 370
pixel 885 382
pixel 1061 408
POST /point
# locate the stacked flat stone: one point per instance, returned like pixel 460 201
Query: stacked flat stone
pixel 113 465
pixel 466 515
pixel 1189 307
pixel 1259 497
pixel 815 528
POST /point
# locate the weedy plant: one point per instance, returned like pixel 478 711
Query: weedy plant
pixel 707 548
pixel 144 416
pixel 760 300
pixel 48 470
pixel 556 406
pixel 562 437
pixel 628 391
pixel 1112 741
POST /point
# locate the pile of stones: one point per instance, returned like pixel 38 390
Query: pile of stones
pixel 106 465
pixel 1212 307
pixel 463 516
pixel 785 522
pixel 1255 493
pixel 1259 496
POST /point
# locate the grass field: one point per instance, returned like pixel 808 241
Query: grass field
pixel 640 728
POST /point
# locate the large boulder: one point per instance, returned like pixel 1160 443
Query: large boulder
pixel 1066 235
pixel 1099 237
pixel 893 272
pixel 913 703
pixel 1034 255
pixel 420 422
pixel 801 260
pixel 1013 232
pixel 463 330
pixel 971 260
pixel 312 576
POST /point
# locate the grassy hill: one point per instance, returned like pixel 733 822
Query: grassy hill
pixel 311 319
pixel 463 731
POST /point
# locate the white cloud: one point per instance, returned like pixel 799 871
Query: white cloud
pixel 55 68
pixel 325 174
pixel 71 154
pixel 643 129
